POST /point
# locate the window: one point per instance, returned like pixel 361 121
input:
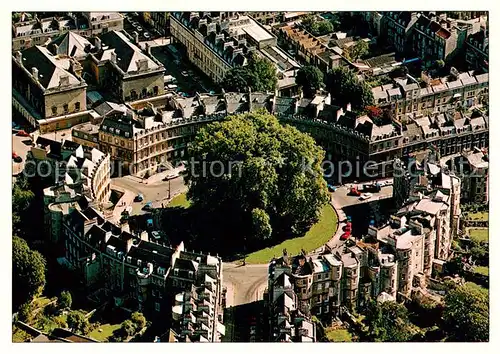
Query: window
pixel 157 306
pixel 176 272
pixel 54 110
pixel 77 106
pixel 155 90
pixel 65 107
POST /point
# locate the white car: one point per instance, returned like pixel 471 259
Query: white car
pixel 365 196
pixel 388 183
pixel 185 73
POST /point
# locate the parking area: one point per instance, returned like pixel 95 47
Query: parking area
pixel 344 199
pixel 132 23
pixel 189 79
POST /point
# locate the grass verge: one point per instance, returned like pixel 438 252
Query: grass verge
pixel 318 235
pixel 479 235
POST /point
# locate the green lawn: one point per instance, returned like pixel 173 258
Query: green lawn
pixel 318 235
pixel 479 234
pixel 107 331
pixel 179 201
pixel 482 270
pixel 338 335
pixel 483 216
pixel 476 286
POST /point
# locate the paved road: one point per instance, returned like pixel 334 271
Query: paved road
pixel 342 198
pixel 245 284
pixel 156 192
pixel 21 148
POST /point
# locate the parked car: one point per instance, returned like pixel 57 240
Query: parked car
pixel 354 191
pixel 22 133
pixel 366 196
pixel 16 157
pixel 345 235
pixel 170 176
pixel 389 183
pixel 331 188
pixel 146 35
pixel 184 73
pixel 139 198
pixel 139 28
pixel 148 206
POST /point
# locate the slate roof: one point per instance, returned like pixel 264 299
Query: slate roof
pixel 127 53
pixel 70 44
pixel 50 69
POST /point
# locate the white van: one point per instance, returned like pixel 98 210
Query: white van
pixel 172 87
pixel 169 79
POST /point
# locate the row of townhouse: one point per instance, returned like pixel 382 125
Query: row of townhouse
pixel 472 166
pixel 49 83
pixel 389 262
pixel 458 90
pixel 149 133
pixel 180 289
pixel 74 174
pixel 39 31
pixel 426 35
pixel 288 322
pixel 217 42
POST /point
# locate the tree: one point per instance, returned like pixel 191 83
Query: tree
pixel 138 320
pixel 310 78
pixel 466 314
pixel 440 64
pixel 315 27
pixel 77 321
pixel 28 272
pixel 389 322
pixel 346 88
pixel 65 300
pixel 25 313
pixel 21 199
pixel 127 329
pixel 359 50
pixel 258 75
pixel 251 161
pixel 261 224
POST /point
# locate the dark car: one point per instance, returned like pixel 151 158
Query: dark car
pixel 139 198
pixel 16 157
pixel 331 188
pixel 148 206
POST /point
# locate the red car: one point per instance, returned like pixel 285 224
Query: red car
pixel 345 235
pixel 347 227
pixel 354 191
pixel 16 157
pixel 22 133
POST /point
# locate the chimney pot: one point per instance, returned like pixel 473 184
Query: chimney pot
pixel 98 43
pixel 34 72
pixel 19 57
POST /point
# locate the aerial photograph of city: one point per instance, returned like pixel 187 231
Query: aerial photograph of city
pixel 272 176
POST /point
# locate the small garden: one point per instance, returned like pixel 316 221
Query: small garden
pixel 103 324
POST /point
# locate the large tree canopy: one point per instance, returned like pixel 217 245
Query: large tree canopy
pixel 28 272
pixel 256 177
pixel 310 78
pixel 316 26
pixel 346 88
pixel 258 75
pixel 466 314
pixel 389 322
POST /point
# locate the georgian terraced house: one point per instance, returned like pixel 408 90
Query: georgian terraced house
pixel 119 66
pixel 389 263
pixel 182 289
pixel 216 42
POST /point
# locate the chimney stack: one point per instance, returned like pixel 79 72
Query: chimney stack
pixel 113 57
pixel 98 43
pixel 348 107
pixel 19 57
pixel 34 72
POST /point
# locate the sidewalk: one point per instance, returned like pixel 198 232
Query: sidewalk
pixel 126 199
pixel 158 177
